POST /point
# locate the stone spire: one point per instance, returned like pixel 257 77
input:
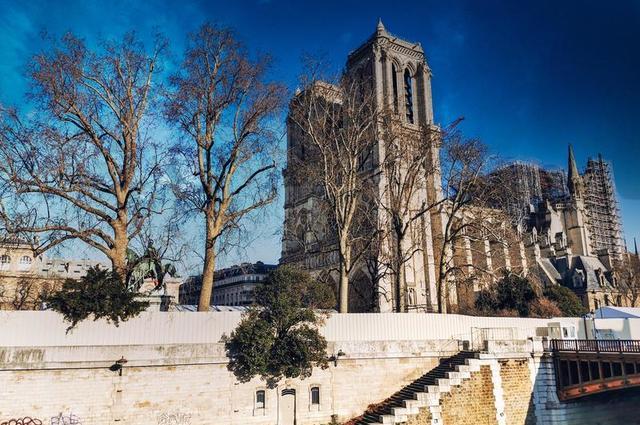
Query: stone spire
pixel 574 179
pixel 380 29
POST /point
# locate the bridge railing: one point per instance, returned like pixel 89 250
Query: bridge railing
pixel 596 345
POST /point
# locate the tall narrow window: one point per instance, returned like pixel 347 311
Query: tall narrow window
pixel 260 399
pixel 5 262
pixel 315 395
pixel 394 83
pixel 408 95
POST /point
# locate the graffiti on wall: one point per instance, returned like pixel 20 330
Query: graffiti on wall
pixel 22 421
pixel 69 419
pixel 175 418
pixel 59 419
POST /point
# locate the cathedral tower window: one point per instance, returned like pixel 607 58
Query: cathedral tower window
pixel 394 83
pixel 408 95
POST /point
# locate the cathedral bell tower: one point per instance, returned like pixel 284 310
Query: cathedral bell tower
pixel 401 79
pixel 400 75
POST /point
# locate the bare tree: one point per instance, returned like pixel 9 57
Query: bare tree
pixel 403 199
pixel 83 166
pixel 627 271
pixel 470 212
pixel 334 125
pixel 224 109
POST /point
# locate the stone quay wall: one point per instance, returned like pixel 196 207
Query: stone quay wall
pixel 174 372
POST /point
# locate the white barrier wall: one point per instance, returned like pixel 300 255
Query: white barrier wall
pixel 45 328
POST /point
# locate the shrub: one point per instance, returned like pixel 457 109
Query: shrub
pixel 515 293
pixel 545 308
pixel 100 293
pixel 566 300
pixel 278 337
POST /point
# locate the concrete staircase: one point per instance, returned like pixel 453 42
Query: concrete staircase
pixel 424 392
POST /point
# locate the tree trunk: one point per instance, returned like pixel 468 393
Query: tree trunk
pixel 399 278
pixel 343 288
pixel 118 255
pixel 208 269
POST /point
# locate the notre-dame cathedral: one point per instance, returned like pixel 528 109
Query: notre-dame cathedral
pixel 562 241
pixel 402 81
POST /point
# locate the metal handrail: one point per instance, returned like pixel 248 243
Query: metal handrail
pixel 597 345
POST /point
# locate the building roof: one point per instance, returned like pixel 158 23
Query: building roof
pixel 564 268
pixel 617 313
pixel 549 270
pixel 590 265
pixel 245 268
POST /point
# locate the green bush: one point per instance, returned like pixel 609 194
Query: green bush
pixel 513 296
pixel 515 293
pixel 278 337
pixel 100 293
pixel 566 300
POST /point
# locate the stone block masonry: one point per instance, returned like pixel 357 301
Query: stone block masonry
pixel 472 403
pixel 190 384
pixel 517 389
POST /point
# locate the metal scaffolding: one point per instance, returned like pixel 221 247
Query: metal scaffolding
pixel 603 213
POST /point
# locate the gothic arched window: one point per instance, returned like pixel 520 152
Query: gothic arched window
pixel 394 82
pixel 408 95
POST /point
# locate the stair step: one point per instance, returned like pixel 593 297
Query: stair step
pixel 423 392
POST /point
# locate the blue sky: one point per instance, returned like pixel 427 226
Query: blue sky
pixel 529 78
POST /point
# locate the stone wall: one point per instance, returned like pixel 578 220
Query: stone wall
pixel 472 403
pixel 175 373
pixel 189 384
pixel 517 389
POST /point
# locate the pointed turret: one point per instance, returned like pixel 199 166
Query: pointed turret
pixel 574 178
pixel 380 29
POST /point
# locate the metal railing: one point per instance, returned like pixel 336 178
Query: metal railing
pixel 480 336
pixel 597 345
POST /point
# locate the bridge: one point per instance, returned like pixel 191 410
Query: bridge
pixel 585 367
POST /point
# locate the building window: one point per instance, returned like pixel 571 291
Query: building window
pixel 408 95
pixel 5 262
pixel 25 262
pixel 394 82
pixel 315 395
pixel 260 397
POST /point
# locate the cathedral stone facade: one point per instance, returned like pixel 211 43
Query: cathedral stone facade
pixel 554 240
pixel 401 81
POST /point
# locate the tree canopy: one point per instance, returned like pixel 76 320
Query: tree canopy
pixel 514 295
pixel 100 293
pixel 278 337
